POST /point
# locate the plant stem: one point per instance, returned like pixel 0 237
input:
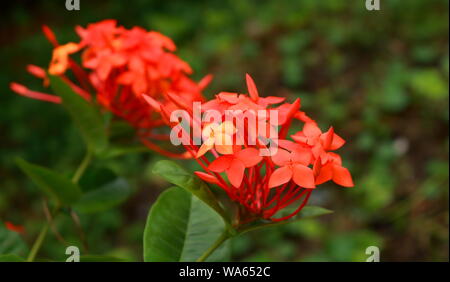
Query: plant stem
pixel 43 233
pixel 76 177
pixel 82 167
pixel 49 216
pixel 37 244
pixel 225 235
pixel 77 222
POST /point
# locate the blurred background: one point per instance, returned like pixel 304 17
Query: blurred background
pixel 379 77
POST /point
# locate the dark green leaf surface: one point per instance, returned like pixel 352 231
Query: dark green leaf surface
pixel 176 175
pixel 104 197
pixel 86 117
pixel 118 151
pixel 11 258
pixel 96 177
pixel 11 244
pixel 180 227
pixel 54 185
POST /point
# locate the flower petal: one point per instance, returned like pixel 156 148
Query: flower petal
pixel 225 127
pixel 270 100
pixel 229 97
pixel 208 130
pixel 331 141
pixel 342 176
pixel 252 91
pixel 311 129
pixel 337 142
pixel 335 158
pixel 282 157
pixel 60 58
pixel 224 149
pixel 280 176
pixel 152 102
pixel 235 172
pixel 249 157
pixel 36 71
pixel 325 174
pixel 327 138
pixel 207 177
pixel 210 105
pixel 287 111
pixel 221 163
pixel 208 145
pixel 224 144
pixel 301 156
pixel 205 81
pixel 303 176
pixel 303 117
pixel 24 91
pixel 300 137
pixel 319 152
pixel 287 144
pixel 317 167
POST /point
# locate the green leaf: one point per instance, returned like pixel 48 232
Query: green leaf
pixel 104 197
pixel 95 177
pixel 312 211
pixel 11 258
pixel 306 212
pixel 11 244
pixel 176 175
pixel 180 227
pixel 430 84
pixel 54 185
pixel 117 151
pixel 102 190
pixel 86 117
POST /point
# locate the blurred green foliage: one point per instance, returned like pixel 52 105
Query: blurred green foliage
pixel 379 77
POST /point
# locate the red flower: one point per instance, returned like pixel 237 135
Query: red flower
pixel 264 185
pixel 60 58
pixel 333 170
pixel 234 165
pixel 15 228
pixel 119 65
pixel 319 142
pixel 218 136
pixel 293 166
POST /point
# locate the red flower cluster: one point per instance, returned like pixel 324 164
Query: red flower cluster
pixel 264 185
pixel 119 65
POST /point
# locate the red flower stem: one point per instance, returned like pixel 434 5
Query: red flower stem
pixel 160 150
pixel 279 200
pixel 278 191
pixel 288 202
pixel 297 210
pixel 222 184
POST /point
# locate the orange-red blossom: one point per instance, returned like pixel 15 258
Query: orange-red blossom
pixel 264 185
pixel 118 65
